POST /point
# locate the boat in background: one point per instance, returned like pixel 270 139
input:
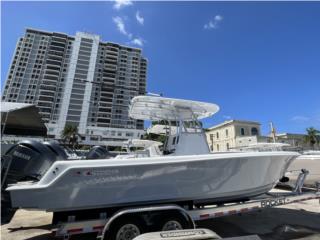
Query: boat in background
pixel 264 147
pixel 185 172
pixel 309 160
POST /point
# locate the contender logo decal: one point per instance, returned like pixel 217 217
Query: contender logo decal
pixel 107 172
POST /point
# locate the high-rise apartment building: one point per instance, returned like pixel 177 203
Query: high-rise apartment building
pixel 78 80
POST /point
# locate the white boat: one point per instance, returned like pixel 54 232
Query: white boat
pixel 185 172
pixel 309 160
pixel 264 147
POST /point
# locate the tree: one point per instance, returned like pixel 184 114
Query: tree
pixel 70 134
pixel 312 137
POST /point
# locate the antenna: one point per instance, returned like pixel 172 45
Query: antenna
pixel 273 132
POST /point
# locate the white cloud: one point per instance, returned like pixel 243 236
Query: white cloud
pixel 213 24
pixel 120 23
pixel 300 119
pixel 209 25
pixel 218 18
pixel 138 41
pixel 139 18
pixel 121 3
pixel 121 26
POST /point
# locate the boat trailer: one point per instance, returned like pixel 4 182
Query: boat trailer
pixel 179 217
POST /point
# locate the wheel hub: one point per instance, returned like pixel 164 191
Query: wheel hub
pixel 128 232
pixel 172 225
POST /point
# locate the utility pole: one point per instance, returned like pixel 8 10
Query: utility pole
pixel 273 132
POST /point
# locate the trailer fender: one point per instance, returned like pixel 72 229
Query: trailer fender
pixel 125 215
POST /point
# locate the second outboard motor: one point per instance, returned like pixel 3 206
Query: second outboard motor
pixel 58 150
pixel 99 152
pixel 26 161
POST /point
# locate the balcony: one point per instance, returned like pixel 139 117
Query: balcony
pixel 44 92
pixel 51 74
pixel 53 67
pixel 55 53
pixel 58 44
pixel 44 104
pixel 45 98
pixel 56 48
pixel 53 62
pixel 49 83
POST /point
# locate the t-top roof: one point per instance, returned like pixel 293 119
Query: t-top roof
pixel 160 108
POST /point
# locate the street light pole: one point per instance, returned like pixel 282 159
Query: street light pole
pixel 4 125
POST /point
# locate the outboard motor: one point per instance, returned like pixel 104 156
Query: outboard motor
pixel 57 149
pixel 99 152
pixel 26 161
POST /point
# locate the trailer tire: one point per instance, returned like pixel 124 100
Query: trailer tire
pixel 174 222
pixel 126 229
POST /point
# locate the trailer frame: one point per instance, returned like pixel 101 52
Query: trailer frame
pixel 102 225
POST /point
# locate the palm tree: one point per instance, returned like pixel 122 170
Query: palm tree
pixel 70 134
pixel 312 137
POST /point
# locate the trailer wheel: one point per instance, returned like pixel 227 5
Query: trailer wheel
pixel 174 222
pixel 126 229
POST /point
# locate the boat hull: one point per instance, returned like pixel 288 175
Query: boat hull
pixel 76 185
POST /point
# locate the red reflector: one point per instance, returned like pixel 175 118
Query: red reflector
pixel 233 212
pixel 98 228
pixel 75 230
pixel 219 214
pixel 204 215
pixel 244 210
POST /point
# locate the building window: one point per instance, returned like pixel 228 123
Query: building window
pixel 228 146
pixel 211 137
pixel 227 133
pixel 242 131
pixel 254 131
pixel 217 135
pixel 217 147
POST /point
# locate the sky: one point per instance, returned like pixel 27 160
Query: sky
pixel 258 61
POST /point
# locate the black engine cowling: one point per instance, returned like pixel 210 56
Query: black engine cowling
pixel 29 160
pixel 99 152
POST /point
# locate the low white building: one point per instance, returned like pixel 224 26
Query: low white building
pixel 230 134
pixel 234 134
